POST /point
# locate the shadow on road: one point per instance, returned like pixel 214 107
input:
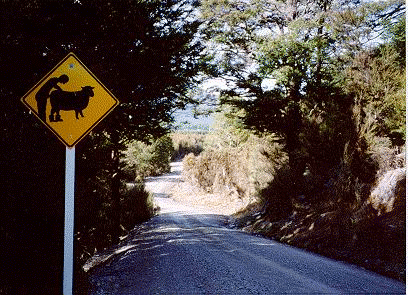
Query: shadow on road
pixel 185 253
pixel 164 229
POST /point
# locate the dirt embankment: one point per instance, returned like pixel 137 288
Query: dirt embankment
pixel 376 244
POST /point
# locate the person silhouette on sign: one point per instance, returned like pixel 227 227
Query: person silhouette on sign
pixel 42 95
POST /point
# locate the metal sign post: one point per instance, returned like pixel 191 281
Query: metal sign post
pixel 70 101
pixel 69 220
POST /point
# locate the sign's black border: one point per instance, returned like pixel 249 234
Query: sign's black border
pixel 46 77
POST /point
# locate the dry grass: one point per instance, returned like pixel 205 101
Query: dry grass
pixel 240 171
pixel 185 143
pixel 226 178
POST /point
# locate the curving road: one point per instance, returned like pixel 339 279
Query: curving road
pixel 191 251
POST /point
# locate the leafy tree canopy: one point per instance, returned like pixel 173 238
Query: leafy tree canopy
pixel 145 53
pixel 142 50
pixel 302 46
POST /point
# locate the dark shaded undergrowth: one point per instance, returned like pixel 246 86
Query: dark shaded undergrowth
pixel 362 234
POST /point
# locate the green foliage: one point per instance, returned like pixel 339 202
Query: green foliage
pixel 353 25
pixel 142 159
pixel 163 149
pixel 287 59
pixel 295 47
pixel 397 37
pixel 143 52
pixel 378 83
pixel 136 205
pixel 235 161
pixel 228 129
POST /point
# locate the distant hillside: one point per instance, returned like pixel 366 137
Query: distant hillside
pixel 185 121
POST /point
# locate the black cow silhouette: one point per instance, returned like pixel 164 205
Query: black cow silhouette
pixel 69 101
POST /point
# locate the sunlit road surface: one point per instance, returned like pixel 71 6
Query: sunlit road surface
pixel 188 251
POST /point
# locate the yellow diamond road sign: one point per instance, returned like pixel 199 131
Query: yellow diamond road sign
pixel 70 100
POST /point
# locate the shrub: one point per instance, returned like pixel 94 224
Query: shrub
pixel 378 82
pixel 217 171
pixel 136 205
pixel 185 143
pixel 242 170
pixel 141 159
pixel 162 151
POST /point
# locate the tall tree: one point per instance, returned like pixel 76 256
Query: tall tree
pixel 300 45
pixel 283 40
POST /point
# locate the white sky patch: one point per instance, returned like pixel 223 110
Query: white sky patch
pixel 218 83
pixel 268 84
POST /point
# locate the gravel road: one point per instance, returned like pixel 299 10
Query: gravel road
pixel 187 250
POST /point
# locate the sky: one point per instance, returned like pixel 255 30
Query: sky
pixel 185 119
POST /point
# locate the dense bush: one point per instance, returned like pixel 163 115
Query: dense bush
pixel 243 170
pixel 147 159
pixel 376 82
pixel 149 82
pixel 136 205
pixel 186 143
pixel 100 216
pixel 31 207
